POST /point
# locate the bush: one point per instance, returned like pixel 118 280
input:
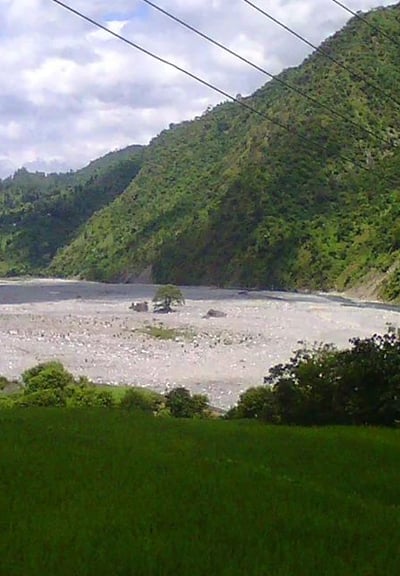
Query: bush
pixel 182 405
pixel 3 382
pixel 328 386
pixel 46 376
pixel 84 395
pixel 257 402
pixel 6 402
pixel 200 406
pixel 144 400
pixel 43 398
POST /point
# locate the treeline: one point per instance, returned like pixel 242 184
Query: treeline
pixel 49 384
pixel 317 387
pixel 321 386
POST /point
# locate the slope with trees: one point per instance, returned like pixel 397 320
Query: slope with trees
pixel 231 198
pixel 40 213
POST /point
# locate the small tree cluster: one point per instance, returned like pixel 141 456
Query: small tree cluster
pixel 358 386
pixel 50 384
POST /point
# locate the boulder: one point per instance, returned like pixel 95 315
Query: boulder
pixel 215 314
pixel 139 306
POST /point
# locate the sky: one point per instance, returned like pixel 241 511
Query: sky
pixel 70 93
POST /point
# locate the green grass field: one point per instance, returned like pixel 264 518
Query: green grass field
pixel 97 492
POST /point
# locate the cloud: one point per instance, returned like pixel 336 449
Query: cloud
pixel 70 92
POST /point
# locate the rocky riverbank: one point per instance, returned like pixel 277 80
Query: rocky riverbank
pixel 100 337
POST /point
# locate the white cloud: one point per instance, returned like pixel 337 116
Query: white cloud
pixel 70 92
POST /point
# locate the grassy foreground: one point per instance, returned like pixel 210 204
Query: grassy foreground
pixel 93 492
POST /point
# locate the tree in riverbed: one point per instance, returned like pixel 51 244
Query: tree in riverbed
pixel 166 296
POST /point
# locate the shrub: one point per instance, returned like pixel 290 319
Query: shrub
pixel 83 395
pixel 6 402
pixel 43 398
pixel 360 385
pixel 144 400
pixel 3 382
pixel 166 296
pixel 257 402
pixel 46 376
pixel 182 405
pixel 200 406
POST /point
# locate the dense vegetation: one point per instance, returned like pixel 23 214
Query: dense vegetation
pixel 100 492
pixel 231 198
pixel 318 386
pixel 41 213
pixel 322 386
pixel 49 384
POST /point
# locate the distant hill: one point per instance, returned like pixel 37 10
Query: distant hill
pixel 233 199
pixel 41 213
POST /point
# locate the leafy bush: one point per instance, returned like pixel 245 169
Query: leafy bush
pixel 145 400
pixel 46 376
pixel 3 382
pixel 257 402
pixel 182 405
pixel 43 398
pixel 84 395
pixel 166 296
pixel 6 402
pixel 360 385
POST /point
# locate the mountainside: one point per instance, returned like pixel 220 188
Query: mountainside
pixel 231 198
pixel 40 213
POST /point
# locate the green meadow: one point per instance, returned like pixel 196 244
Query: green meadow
pixel 91 492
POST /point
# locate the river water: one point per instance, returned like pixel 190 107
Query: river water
pixel 49 290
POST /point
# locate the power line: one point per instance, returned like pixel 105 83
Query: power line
pixel 377 29
pixel 331 111
pixel 351 71
pixel 208 84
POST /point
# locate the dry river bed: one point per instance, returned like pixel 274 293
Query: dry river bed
pixel 94 333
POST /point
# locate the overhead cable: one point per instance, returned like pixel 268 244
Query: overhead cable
pixel 359 76
pixel 377 29
pixel 239 101
pixel 330 110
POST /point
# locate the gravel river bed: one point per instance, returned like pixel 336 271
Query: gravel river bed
pixel 89 327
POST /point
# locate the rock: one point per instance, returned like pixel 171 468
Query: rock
pixel 215 314
pixel 139 306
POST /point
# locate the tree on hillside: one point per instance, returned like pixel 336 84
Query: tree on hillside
pixel 166 296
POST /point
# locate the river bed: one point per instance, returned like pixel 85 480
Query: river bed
pixel 89 327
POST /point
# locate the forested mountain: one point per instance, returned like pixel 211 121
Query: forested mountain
pixel 40 213
pixel 232 198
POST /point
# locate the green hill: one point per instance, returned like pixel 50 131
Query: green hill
pixel 40 213
pixel 110 492
pixel 231 198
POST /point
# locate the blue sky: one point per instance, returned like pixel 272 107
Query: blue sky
pixel 70 93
